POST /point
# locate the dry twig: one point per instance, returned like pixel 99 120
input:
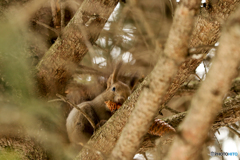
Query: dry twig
pixel 75 106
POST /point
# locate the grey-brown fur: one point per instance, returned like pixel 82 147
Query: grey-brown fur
pixel 78 127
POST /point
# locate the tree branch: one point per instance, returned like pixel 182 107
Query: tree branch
pixel 109 133
pixel 226 116
pixel 206 103
pixel 56 67
pixel 160 78
pixel 191 87
pixel 80 110
pixel 206 32
pixel 233 131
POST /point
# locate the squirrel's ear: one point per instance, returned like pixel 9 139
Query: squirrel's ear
pixel 110 81
pixel 114 76
pixel 116 71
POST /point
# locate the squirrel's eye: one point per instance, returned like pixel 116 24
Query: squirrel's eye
pixel 113 89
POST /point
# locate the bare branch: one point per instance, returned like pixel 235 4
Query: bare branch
pixel 147 105
pixel 233 130
pixel 75 106
pixel 92 149
pixel 226 116
pixel 62 8
pixel 206 33
pixel 218 144
pixel 171 110
pixel 56 67
pixel 196 125
pixel 46 26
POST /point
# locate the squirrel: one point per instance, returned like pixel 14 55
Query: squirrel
pixel 79 128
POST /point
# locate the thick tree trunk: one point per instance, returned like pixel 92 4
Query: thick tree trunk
pixel 206 32
pixel 56 67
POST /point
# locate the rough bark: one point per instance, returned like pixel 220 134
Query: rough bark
pixel 104 140
pixel 207 102
pixel 226 116
pixel 22 148
pixel 160 78
pixel 54 70
pixel 191 87
pixel 206 32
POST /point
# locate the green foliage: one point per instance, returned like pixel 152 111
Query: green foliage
pixel 9 155
pixel 20 108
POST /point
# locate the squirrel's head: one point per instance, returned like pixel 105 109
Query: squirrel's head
pixel 118 90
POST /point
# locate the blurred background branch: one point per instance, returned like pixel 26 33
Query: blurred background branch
pixel 43 51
